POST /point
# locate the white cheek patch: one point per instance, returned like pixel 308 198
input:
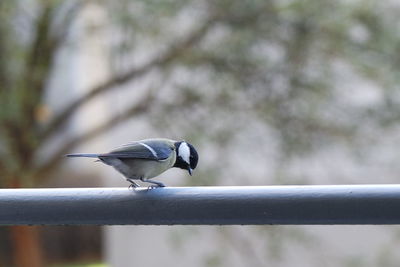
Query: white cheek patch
pixel 184 152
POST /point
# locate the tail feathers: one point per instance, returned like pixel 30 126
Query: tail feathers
pixel 82 155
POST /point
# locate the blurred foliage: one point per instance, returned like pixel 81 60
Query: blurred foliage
pixel 292 77
pixel 275 62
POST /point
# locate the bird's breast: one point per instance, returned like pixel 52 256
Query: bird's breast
pixel 145 168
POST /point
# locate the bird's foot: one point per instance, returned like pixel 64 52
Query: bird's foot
pixel 156 184
pixel 133 184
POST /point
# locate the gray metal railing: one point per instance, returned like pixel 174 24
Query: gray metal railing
pixel 335 204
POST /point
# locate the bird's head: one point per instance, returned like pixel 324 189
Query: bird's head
pixel 186 156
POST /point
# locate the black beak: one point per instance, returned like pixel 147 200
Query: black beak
pixel 190 170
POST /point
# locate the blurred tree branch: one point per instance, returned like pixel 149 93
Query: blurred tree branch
pixel 62 29
pixel 38 63
pixel 166 57
pixel 26 94
pixel 56 158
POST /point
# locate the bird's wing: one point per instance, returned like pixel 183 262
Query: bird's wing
pixel 152 150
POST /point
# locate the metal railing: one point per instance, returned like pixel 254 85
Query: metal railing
pixel 244 205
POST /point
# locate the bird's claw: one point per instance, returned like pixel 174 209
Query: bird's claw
pixel 133 186
pixel 155 186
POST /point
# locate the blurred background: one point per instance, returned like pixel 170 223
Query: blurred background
pixel 270 92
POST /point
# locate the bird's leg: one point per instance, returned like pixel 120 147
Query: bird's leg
pixel 159 184
pixel 133 184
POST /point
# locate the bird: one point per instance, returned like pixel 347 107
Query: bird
pixel 148 158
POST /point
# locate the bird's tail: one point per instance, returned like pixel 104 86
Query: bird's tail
pixel 82 155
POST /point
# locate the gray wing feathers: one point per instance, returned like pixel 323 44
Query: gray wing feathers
pixel 152 150
pixel 146 149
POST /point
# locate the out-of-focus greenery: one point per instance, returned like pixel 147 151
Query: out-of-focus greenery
pixel 278 62
pixel 244 80
pixel 285 64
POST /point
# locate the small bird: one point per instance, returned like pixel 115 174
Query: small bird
pixel 145 159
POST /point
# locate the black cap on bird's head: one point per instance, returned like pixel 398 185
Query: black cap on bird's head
pixel 186 156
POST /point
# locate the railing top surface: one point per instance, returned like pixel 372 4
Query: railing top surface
pixel 214 205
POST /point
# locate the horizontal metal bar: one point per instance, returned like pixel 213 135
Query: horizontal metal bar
pixel 336 204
